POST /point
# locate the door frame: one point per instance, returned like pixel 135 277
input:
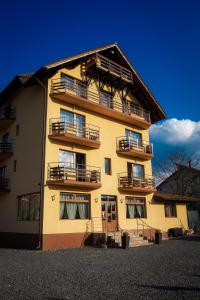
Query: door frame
pixel 117 215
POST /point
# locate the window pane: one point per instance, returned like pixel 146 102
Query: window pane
pixel 67 116
pixel 107 166
pixel 72 208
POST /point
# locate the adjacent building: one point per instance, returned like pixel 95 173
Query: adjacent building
pixel 75 153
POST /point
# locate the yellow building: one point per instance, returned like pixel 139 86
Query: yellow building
pixel 75 153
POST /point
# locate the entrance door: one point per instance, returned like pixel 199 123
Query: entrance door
pixel 109 213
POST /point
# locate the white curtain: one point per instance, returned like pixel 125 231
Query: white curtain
pixel 140 210
pixel 131 210
pixel 83 210
pixel 71 210
pixel 62 208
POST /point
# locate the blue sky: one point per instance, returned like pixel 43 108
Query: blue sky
pixel 161 39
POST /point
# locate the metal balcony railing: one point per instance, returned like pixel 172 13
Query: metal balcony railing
pixel 4 183
pixel 7 112
pixel 75 87
pixel 124 143
pixel 109 66
pixel 128 180
pixel 6 147
pixel 62 171
pixel 62 126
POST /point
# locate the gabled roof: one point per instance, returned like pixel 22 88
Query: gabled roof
pixel 154 107
pixel 180 168
pixel 166 197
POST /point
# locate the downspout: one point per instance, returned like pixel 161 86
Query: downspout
pixel 40 243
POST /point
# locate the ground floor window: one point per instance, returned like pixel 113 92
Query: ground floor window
pixel 170 210
pixel 74 206
pixel 29 207
pixel 135 207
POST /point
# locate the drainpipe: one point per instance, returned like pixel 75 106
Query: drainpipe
pixel 42 162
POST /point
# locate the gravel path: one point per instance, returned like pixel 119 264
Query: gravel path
pixel 167 271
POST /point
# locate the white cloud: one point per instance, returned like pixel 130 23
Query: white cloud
pixel 176 132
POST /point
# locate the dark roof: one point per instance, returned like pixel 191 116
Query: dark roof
pixel 165 197
pixel 17 82
pixel 180 167
pixel 29 79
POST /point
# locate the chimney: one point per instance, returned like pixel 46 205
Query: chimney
pixel 189 163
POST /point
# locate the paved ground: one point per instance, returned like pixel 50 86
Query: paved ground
pixel 167 271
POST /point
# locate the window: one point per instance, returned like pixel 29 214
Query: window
pixel 29 207
pixel 134 137
pixel 170 210
pixel 74 206
pixel 15 166
pixel 135 207
pixel 105 99
pixel 17 129
pixel 136 170
pixel 75 123
pixel 107 166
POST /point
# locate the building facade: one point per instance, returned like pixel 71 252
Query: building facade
pixel 75 152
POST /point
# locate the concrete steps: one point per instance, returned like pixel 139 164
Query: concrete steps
pixel 135 240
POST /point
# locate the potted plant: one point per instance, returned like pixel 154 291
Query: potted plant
pixel 125 240
pixel 158 236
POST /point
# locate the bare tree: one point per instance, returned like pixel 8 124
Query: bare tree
pixel 169 165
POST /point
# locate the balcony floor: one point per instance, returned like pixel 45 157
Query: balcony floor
pixel 74 183
pixel 4 156
pixel 141 190
pixel 78 140
pixel 135 153
pixel 100 109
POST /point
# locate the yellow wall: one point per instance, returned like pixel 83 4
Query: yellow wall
pixel 109 130
pixel 27 151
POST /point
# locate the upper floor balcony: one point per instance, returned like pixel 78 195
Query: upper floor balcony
pixel 109 68
pixel 134 148
pixel 7 116
pixel 127 182
pixel 68 175
pixel 76 93
pixel 4 184
pixel 85 135
pixel 6 150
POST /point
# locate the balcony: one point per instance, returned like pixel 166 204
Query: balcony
pixel 109 68
pixel 129 183
pixel 62 131
pixel 76 93
pixel 67 175
pixel 4 184
pixel 6 150
pixel 7 116
pixel 132 148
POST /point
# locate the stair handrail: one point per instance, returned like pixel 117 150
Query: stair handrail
pixel 143 223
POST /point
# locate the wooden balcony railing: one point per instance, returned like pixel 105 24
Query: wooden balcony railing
pixel 4 184
pixel 131 147
pixel 7 112
pixel 109 66
pixel 127 182
pixel 70 175
pixel 74 87
pixel 6 148
pixel 61 127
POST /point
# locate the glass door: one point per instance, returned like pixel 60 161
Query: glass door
pixel 134 138
pixel 109 213
pixel 135 170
